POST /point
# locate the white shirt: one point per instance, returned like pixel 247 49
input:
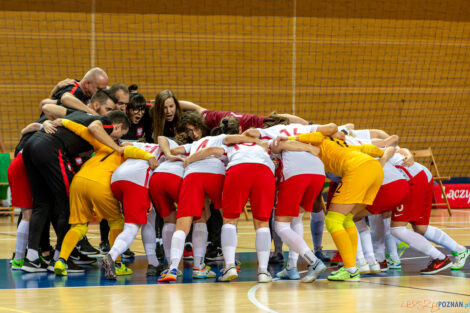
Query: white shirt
pixel 172 167
pixel 210 165
pixel 248 153
pixel 413 170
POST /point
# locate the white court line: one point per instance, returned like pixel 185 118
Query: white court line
pixel 252 298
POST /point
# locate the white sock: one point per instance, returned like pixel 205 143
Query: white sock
pixel 439 237
pixel 317 223
pixel 167 234
pixel 366 241
pixel 56 255
pixel 377 233
pixel 360 259
pixel 417 242
pixel 297 226
pixel 148 240
pixel 263 248
pixel 294 241
pixel 199 243
pixel 32 255
pixel 21 240
pixel 124 240
pixel 391 242
pixel 229 243
pixel 177 246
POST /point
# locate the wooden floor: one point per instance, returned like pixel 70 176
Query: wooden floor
pixel 405 291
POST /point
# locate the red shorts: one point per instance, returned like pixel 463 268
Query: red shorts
pixel 135 201
pixel 194 189
pixel 21 195
pixel 389 196
pixel 299 190
pixel 416 207
pixel 249 180
pixel 164 191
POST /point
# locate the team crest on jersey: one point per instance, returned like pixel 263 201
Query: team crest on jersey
pixel 69 167
pixel 140 131
pixel 78 161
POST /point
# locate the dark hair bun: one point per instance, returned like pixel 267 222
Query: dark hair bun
pixel 133 88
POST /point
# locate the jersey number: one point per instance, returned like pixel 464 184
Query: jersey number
pixel 251 144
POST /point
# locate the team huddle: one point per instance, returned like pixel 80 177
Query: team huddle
pixel 172 167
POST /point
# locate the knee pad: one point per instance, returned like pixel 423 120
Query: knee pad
pixel 116 224
pixel 348 221
pixel 334 221
pixel 81 229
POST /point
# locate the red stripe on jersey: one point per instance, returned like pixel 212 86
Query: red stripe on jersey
pixel 265 138
pixel 147 177
pixel 108 126
pixel 149 104
pixel 404 170
pixel 64 174
pixel 74 88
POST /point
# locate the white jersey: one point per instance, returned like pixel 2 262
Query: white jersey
pixel 248 153
pixel 294 162
pixel 137 171
pixel 357 141
pixel 413 170
pixel 210 165
pixel 172 167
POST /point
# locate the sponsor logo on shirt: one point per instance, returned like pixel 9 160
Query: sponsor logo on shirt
pixel 140 131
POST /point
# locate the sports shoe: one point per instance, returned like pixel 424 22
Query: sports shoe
pixel 81 259
pixel 292 274
pixel 393 265
pixel 436 265
pixel 460 259
pixel 160 252
pixel 72 268
pixel 375 268
pixel 214 253
pixel 104 247
pixel 343 275
pixel 48 258
pixel 322 256
pixel 229 273
pixel 109 267
pixel 155 270
pixel 401 248
pixel 383 266
pixel 238 266
pixel 314 270
pixel 35 266
pixel 16 265
pixel 188 251
pixel 364 268
pixel 128 254
pixel 204 272
pixel 84 247
pixel 60 268
pixel 121 269
pixel 264 277
pixel 276 258
pixel 168 275
pixel 12 258
pixel 336 259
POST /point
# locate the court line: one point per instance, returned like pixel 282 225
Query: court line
pixel 2 308
pixel 252 297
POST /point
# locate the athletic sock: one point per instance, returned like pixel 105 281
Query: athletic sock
pixel 56 254
pixel 21 240
pixel 439 237
pixel 334 224
pixel 360 259
pixel 317 222
pixel 148 240
pixel 377 232
pixel 32 255
pixel 229 243
pixel 73 236
pixel 366 241
pixel 199 243
pixel 390 241
pixel 167 234
pixel 351 230
pixel 417 241
pixel 124 240
pixel 263 248
pixel 177 246
pixel 295 242
pixel 298 227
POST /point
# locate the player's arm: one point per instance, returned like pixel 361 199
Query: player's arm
pixel 387 142
pixel 294 119
pixel 252 132
pixel 388 153
pixel 371 150
pixel 204 154
pixel 31 128
pixel 136 153
pixel 164 145
pixel 189 106
pixel 53 111
pixel 98 132
pixel 62 83
pixel 178 150
pixel 235 139
pixel 312 138
pixel 74 103
pixel 327 129
pixel 281 143
pixel 409 158
pixel 82 131
pixel 46 101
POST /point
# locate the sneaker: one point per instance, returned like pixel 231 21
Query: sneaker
pixel 121 269
pixel 81 259
pixel 383 266
pixel 264 277
pixel 343 275
pixel 393 265
pixel 276 258
pixel 35 266
pixel 12 258
pixel 401 248
pixel 365 268
pixel 238 266
pixel 60 268
pixel 72 268
pixel 84 247
pixel 48 258
pixel 214 253
pixel 204 272
pixel 336 259
pixel 188 251
pixel 16 265
pixel 375 268
pixel 314 270
pixel 50 266
pixel 459 259
pixel 168 275
pixel 229 273
pixel 322 256
pixel 128 254
pixel 104 247
pixel 160 252
pixel 109 267
pixel 155 270
pixel 292 274
pixel 436 265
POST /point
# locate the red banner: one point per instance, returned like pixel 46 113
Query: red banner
pixel 458 195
